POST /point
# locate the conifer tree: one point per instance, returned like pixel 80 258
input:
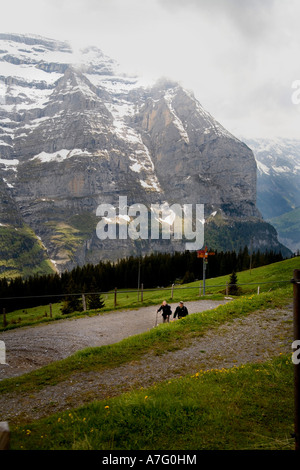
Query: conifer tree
pixel 233 288
pixel 94 301
pixel 71 303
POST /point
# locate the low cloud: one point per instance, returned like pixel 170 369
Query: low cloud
pixel 239 57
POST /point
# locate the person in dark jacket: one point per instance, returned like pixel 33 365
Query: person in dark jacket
pixel 166 311
pixel 181 311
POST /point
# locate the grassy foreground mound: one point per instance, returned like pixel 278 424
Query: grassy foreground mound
pixel 246 407
pixel 159 340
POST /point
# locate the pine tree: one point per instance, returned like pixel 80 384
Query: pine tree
pixel 233 288
pixel 94 301
pixel 188 277
pixel 71 303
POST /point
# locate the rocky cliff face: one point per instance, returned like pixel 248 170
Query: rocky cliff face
pixel 278 193
pixel 76 133
pixel 194 156
pixel 278 174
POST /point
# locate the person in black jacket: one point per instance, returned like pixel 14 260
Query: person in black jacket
pixel 181 311
pixel 166 311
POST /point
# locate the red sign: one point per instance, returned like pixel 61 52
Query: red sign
pixel 204 253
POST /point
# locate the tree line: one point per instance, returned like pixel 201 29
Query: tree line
pixel 153 270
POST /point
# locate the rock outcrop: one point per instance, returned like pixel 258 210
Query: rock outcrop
pixel 75 133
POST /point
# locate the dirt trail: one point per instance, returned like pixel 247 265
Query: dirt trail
pixel 254 338
pixel 32 347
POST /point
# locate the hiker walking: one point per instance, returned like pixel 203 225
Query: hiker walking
pixel 166 311
pixel 181 311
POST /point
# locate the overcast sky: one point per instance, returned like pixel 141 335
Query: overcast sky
pixel 240 57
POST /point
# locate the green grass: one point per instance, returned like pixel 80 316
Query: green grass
pixel 246 407
pixel 158 340
pixel 31 316
pixel 21 253
pixel 265 277
pixel 69 234
pixel 242 408
pixel 288 225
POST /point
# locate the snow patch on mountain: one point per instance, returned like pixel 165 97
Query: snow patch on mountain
pixel 140 156
pixel 59 156
pixel 262 168
pixel 276 156
pixel 177 122
pixel 9 164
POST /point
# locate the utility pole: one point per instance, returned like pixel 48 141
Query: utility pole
pixel 250 255
pixel 203 271
pixel 139 278
pixel 204 254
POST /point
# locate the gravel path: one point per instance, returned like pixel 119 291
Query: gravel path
pixel 254 338
pixel 32 347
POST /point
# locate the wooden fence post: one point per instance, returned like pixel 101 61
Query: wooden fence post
pixel 2 353
pixel 4 436
pixel 142 292
pixel 172 291
pixel 4 318
pixel 115 301
pixel 50 307
pixel 83 303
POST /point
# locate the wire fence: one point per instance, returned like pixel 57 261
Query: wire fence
pixel 171 288
pixel 121 297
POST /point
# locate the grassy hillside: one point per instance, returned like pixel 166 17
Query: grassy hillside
pixel 233 235
pixel 166 337
pixel 68 236
pixel 266 278
pixel 219 409
pixel 246 407
pixel 21 253
pixel 288 228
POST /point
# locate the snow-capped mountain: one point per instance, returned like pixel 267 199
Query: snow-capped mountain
pixel 278 186
pixel 75 133
pixel 278 175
